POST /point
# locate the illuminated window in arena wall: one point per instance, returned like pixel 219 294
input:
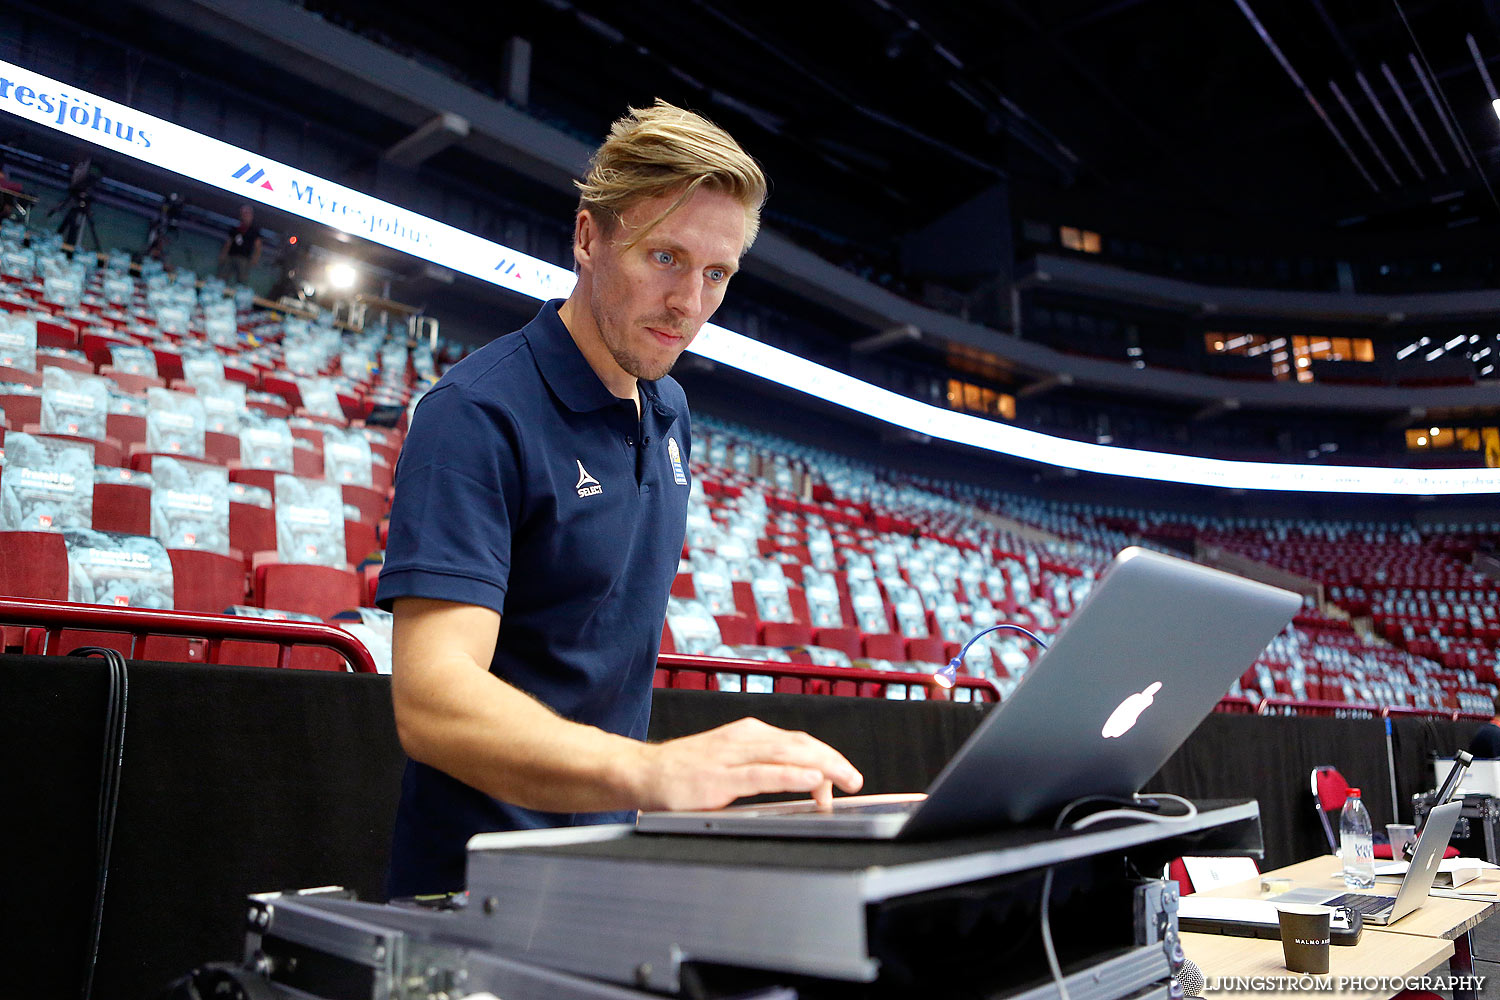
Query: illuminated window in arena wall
pixel 973 398
pixel 1291 357
pixel 1486 439
pixel 1084 240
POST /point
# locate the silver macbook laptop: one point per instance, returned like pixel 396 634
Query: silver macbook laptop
pixel 1382 910
pixel 1139 664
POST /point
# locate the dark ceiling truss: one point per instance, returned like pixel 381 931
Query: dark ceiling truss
pixel 979 89
pixel 1312 100
pixel 1411 82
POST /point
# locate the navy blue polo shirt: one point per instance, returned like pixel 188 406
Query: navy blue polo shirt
pixel 526 487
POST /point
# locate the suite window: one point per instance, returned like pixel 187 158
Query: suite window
pixel 1448 438
pixel 973 398
pixel 1082 240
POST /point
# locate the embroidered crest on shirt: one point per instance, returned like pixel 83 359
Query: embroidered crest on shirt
pixel 675 454
pixel 588 486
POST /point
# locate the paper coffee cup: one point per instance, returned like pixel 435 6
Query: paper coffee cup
pixel 1305 935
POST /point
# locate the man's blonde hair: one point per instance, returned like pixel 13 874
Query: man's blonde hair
pixel 662 150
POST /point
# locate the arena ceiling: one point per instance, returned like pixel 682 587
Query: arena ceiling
pixel 876 115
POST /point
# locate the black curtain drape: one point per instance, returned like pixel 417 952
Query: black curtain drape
pixel 243 779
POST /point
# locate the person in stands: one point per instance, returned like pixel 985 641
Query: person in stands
pixel 1486 742
pixel 539 513
pixel 241 250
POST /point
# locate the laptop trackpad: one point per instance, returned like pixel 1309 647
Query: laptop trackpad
pixel 1303 896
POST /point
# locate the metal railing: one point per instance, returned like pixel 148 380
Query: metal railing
pixel 810 678
pixel 1251 705
pixel 55 617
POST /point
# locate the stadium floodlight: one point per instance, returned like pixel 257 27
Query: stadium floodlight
pixel 170 147
pixel 342 275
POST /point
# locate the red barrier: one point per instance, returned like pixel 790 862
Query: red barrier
pixel 1451 714
pixel 804 678
pixel 141 623
pixel 1292 706
pixel 1241 705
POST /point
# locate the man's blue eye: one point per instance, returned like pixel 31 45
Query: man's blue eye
pixel 717 274
pixel 663 257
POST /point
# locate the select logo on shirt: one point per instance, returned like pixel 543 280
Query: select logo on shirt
pixel 588 486
pixel 675 454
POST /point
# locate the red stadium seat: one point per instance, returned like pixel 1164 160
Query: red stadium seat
pixel 371 503
pixel 736 629
pixel 785 634
pixel 220 448
pixel 387 452
pixel 20 376
pixel 845 639
pixel 284 387
pixel 264 478
pixel 359 541
pixel 127 428
pixel 270 409
pixel 96 345
pixel 107 451
pixel 122 507
pixel 21 410
pixel 131 382
pixel 744 600
pixel 35 565
pixel 371 574
pixel 885 647
pixel 54 333
pixel 312 435
pixel 66 364
pixel 928 650
pixel 207 581
pixel 168 363
pixel 252 529
pixel 322 591
pixel 307 463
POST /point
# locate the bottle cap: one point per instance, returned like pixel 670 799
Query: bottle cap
pixel 1354 793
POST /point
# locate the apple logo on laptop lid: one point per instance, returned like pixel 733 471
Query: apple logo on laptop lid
pixel 1128 711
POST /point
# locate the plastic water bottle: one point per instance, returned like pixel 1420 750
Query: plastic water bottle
pixel 1356 844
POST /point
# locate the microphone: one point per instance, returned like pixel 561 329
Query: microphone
pixel 1189 979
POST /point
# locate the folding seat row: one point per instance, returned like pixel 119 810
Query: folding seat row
pixel 37 567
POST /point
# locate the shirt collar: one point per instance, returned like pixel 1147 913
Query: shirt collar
pixel 567 371
pixel 563 365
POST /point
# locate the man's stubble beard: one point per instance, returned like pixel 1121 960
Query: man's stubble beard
pixel 614 334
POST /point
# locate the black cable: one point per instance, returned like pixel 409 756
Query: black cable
pixel 112 759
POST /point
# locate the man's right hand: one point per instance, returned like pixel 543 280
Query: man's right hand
pixel 711 769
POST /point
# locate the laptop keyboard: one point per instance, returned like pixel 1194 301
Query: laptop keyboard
pixel 1366 905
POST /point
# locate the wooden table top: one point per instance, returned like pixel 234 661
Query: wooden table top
pixel 1254 967
pixel 1439 917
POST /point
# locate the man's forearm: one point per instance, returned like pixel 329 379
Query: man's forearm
pixel 488 734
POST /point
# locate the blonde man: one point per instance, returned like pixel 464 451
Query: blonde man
pixel 539 513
